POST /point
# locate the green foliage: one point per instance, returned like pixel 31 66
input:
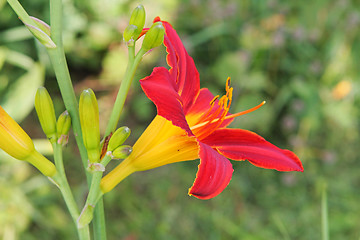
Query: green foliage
pixel 301 58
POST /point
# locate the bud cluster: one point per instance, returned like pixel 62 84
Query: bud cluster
pixel 154 36
pixel 115 149
pixel 54 130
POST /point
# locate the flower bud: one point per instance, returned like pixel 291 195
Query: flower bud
pixel 13 138
pixel 42 25
pixel 138 19
pixel 46 113
pixel 130 34
pixel 154 37
pixel 63 127
pixel 118 138
pixel 121 152
pixel 89 120
pixel 15 142
pixel 41 32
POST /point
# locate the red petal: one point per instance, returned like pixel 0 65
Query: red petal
pixel 183 69
pixel 214 174
pixel 238 144
pixel 159 88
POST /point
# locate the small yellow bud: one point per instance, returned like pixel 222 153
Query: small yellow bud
pixel 154 37
pixel 46 113
pixel 118 138
pixel 89 120
pixel 63 125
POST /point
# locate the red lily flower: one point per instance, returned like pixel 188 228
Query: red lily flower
pixel 190 124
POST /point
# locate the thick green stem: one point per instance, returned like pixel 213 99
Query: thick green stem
pixel 57 57
pixel 124 88
pixel 61 180
pixel 95 195
pixel 99 221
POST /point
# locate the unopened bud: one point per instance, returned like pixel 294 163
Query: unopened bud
pixel 41 32
pixel 15 142
pixel 13 139
pixel 130 34
pixel 89 120
pixel 42 25
pixel 46 113
pixel 121 152
pixel 63 125
pixel 118 138
pixel 154 37
pixel 138 19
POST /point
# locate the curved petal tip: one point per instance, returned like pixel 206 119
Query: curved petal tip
pixel 214 174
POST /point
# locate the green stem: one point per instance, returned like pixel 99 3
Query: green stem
pixel 113 121
pixel 57 57
pixel 95 195
pixel 124 88
pixel 99 221
pixel 58 60
pixel 324 215
pixel 20 11
pixel 61 180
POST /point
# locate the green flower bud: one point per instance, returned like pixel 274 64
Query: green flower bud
pixel 63 125
pixel 130 34
pixel 121 152
pixel 40 35
pixel 118 138
pixel 138 19
pixel 89 120
pixel 154 37
pixel 42 25
pixel 46 113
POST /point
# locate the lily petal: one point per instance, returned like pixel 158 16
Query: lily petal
pixel 239 144
pixel 214 174
pixel 159 88
pixel 183 70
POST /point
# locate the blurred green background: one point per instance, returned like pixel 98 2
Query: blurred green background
pixel 301 57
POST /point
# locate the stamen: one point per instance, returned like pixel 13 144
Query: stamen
pixel 246 111
pixel 229 116
pixel 228 81
pixel 214 99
